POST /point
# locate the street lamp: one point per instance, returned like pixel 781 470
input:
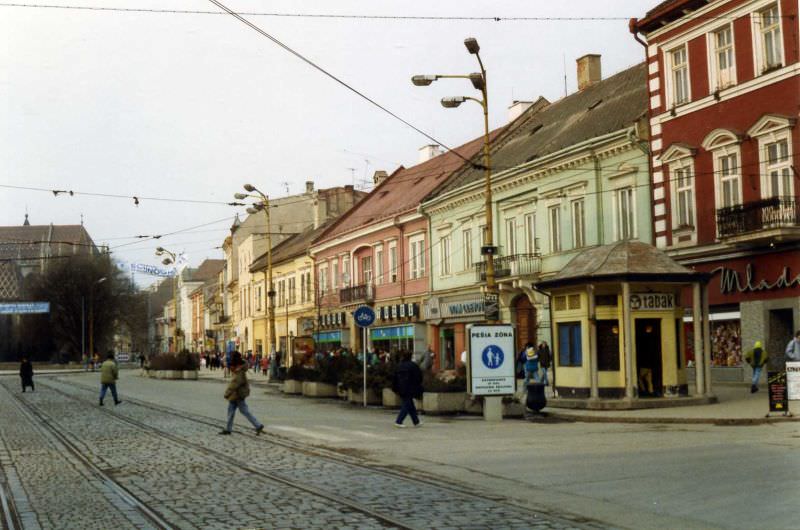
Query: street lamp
pixel 91 318
pixel 263 206
pixel 172 259
pixel 478 81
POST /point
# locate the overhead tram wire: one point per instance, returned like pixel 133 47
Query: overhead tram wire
pixel 333 16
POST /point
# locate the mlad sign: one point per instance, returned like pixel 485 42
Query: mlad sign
pixel 491 360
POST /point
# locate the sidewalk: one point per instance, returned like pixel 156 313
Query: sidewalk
pixel 735 406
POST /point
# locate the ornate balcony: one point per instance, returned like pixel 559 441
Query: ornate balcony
pixel 357 294
pixel 511 267
pixel 773 219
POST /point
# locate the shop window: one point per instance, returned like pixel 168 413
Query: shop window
pixel 608 345
pixel 726 343
pixel 569 344
pixel 560 303
pixel 574 301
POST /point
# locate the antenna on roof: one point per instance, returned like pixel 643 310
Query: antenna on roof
pixel 81 218
pixel 352 175
pixel 564 59
pixel 285 185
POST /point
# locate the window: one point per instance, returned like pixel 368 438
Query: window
pixel 511 236
pixel 684 197
pixel 303 292
pixel 724 71
pixel 779 169
pixel 292 291
pixel 482 235
pixel 417 257
pixel 379 264
pixel 680 76
pixel 569 344
pixel 335 270
pixel 554 216
pixel 323 279
pixel 393 261
pixel 366 270
pixel 623 214
pixel 309 287
pixel 466 237
pixel 258 298
pixel 281 293
pixel 444 250
pixel 346 271
pixel 530 235
pixel 578 224
pixel 729 180
pixel 608 345
pixel 770 55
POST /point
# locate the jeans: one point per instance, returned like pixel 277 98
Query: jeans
pixel 106 386
pixel 242 406
pixel 530 376
pixel 407 409
pixel 756 374
pixel 544 377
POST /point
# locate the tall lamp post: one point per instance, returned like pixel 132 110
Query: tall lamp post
pixel 263 206
pixel 91 318
pixel 478 81
pixel 172 258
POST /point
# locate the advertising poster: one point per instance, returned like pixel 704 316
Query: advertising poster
pixel 491 358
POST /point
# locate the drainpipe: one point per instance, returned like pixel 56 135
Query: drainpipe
pixel 401 258
pixel 552 334
pixel 598 182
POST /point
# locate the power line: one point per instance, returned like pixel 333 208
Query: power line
pixel 433 18
pixel 314 65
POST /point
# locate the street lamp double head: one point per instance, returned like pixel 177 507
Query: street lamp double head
pixel 171 259
pixel 478 81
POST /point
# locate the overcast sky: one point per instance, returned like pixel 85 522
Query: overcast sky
pixel 192 106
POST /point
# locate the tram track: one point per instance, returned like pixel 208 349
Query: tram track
pixel 333 456
pixel 50 425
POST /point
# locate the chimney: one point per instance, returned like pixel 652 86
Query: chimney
pixel 379 177
pixel 309 186
pixel 429 151
pixel 516 109
pixel 589 71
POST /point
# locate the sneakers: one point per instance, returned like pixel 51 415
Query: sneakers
pixel 753 389
pixel 118 402
pixel 224 431
pixel 101 403
pixel 259 430
pixel 418 424
pixel 399 425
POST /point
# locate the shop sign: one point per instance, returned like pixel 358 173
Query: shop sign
pixel 776 386
pixel 730 281
pixel 24 308
pixel 793 381
pixel 394 332
pixel 328 336
pixel 491 360
pixel 652 302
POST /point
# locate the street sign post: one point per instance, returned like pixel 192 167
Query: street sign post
pixel 24 308
pixel 364 317
pixel 491 366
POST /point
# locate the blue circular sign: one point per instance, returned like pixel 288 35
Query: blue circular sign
pixel 492 357
pixel 364 316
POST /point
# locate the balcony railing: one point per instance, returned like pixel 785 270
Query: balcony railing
pixel 511 266
pixel 357 293
pixel 775 212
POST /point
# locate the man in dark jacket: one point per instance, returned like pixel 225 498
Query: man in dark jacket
pixel 408 385
pixel 26 374
pixel 544 361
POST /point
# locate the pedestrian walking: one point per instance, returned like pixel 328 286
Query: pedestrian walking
pixel 236 393
pixel 26 374
pixel 407 383
pixel 531 365
pixel 793 348
pixel 109 373
pixel 544 361
pixel 756 358
pixel 264 365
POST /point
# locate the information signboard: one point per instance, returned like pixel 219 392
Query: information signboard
pixel 24 308
pixel 778 398
pixel 491 360
pixel 793 380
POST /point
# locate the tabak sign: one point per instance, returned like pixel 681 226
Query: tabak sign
pixel 652 301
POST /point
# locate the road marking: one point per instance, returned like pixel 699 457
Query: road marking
pixel 308 433
pixel 360 434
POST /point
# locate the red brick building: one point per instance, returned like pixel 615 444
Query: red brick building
pixel 724 85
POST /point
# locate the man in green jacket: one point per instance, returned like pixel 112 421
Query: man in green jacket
pixel 237 391
pixel 108 378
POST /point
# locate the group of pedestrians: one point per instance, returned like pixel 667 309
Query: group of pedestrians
pixel 533 363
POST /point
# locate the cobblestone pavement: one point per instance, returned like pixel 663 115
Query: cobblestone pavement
pixel 192 478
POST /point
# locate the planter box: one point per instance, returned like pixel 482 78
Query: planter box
pixel 317 389
pixel 290 386
pixel 443 402
pixel 390 399
pixel 357 397
pixel 190 375
pixel 513 410
pixel 473 406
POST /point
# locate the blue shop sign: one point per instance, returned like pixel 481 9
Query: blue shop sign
pixel 395 332
pixel 328 337
pixel 24 308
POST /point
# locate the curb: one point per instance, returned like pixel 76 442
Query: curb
pixel 697 421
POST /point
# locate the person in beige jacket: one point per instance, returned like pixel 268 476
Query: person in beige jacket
pixel 236 393
pixel 108 378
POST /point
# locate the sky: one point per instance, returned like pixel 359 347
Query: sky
pixel 192 106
